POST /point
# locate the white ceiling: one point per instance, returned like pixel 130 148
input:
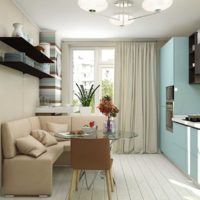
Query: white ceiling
pixel 70 21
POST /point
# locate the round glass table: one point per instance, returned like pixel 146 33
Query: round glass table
pixel 117 134
pixel 100 133
pixel 113 137
pixel 126 138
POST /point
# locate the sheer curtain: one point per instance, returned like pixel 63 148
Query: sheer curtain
pixel 136 95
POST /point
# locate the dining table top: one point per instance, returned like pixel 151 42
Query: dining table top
pixel 114 135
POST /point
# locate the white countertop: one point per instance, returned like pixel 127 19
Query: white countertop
pixel 180 120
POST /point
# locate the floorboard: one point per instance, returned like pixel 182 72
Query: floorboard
pixel 137 177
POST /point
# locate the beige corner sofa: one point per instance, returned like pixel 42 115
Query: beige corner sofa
pixel 25 175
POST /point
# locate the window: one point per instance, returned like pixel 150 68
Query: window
pixel 106 67
pixel 93 66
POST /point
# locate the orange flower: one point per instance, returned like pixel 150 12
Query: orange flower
pixel 107 107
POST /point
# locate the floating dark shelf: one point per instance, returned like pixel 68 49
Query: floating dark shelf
pixel 192 68
pixel 22 45
pixel 192 52
pixel 27 69
pixel 194 59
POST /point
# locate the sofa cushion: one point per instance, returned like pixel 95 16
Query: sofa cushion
pixel 66 145
pixel 44 137
pixel 35 123
pixel 57 128
pixel 11 131
pixel 28 145
pixel 54 119
pixel 52 154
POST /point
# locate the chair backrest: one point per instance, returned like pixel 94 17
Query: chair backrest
pixel 90 154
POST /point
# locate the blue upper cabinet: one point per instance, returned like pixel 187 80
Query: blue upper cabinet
pixel 174 70
pixel 187 96
pixel 166 70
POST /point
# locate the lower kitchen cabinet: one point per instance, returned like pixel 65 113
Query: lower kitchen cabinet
pixel 184 149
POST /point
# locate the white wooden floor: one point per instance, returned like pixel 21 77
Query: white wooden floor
pixel 137 177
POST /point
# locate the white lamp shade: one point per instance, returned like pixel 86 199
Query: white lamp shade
pixel 93 5
pixel 123 3
pixel 121 19
pixel 156 5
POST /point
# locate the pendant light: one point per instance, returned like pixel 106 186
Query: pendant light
pixel 93 5
pixel 156 5
pixel 123 15
pixel 121 19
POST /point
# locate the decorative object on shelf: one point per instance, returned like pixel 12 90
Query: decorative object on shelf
pixel 123 15
pixel 18 32
pixel 198 36
pixel 44 101
pixel 85 97
pixel 18 57
pixel 14 57
pixel 46 47
pixel 39 48
pixel 30 40
pixel 58 64
pixel 107 107
pixel 26 36
pixel 46 68
pixel 1 57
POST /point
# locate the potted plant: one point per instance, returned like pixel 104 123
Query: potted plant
pixel 85 97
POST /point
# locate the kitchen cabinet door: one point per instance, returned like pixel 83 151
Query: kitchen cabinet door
pixel 166 69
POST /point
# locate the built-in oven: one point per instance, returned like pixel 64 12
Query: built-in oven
pixel 169 116
pixel 170 93
pixel 169 107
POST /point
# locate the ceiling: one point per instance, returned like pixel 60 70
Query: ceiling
pixel 70 22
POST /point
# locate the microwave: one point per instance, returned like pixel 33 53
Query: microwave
pixel 170 93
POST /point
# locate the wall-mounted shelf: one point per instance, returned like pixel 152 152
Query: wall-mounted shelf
pixel 22 45
pixel 23 67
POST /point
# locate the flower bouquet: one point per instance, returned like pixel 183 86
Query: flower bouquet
pixel 107 107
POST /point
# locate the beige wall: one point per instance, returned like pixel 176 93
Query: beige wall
pixel 19 93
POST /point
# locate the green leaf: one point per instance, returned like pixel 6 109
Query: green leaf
pixel 91 90
pixel 79 89
pixel 92 94
pixel 85 96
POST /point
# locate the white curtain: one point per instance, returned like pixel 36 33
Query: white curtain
pixel 136 95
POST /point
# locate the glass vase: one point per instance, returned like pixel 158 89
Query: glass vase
pixel 110 125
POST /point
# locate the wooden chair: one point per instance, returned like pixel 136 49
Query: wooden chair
pixel 90 154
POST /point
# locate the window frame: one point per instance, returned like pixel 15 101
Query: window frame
pixel 98 65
